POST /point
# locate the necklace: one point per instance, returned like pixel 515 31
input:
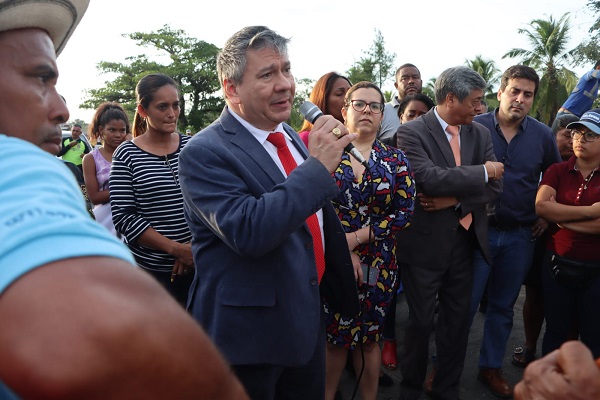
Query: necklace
pixel 366 148
pixel 584 184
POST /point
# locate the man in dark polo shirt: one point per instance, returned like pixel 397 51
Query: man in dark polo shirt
pixel 526 147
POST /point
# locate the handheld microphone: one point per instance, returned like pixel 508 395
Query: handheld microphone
pixel 312 113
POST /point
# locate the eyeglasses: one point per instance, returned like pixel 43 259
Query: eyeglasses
pixel 588 136
pixel 360 105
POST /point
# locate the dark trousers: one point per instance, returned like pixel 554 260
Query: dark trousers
pixel 563 305
pixel 389 324
pixel 452 282
pixel 275 382
pixel 180 286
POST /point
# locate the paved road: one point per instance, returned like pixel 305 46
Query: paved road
pixel 471 388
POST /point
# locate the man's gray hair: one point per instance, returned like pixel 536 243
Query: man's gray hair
pixel 231 61
pixel 458 80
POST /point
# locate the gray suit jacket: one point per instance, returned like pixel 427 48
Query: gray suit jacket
pixel 426 146
pixel 255 290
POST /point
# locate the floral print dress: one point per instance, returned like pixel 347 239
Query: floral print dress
pixel 382 198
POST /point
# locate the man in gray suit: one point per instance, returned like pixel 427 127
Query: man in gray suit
pixel 456 175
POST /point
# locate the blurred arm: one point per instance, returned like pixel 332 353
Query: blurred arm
pixel 99 328
pixel 568 373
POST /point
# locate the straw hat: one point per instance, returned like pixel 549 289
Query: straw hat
pixel 58 17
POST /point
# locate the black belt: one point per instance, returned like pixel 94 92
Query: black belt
pixel 504 226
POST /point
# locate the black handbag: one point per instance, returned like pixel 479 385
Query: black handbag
pixel 572 273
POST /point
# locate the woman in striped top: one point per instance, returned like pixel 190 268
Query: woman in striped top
pixel 146 201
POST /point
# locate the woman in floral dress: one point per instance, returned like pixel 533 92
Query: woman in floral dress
pixel 374 204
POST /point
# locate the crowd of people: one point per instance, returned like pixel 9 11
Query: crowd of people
pixel 250 261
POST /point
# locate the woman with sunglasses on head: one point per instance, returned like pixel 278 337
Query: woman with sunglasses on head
pixel 569 197
pixel 146 200
pixel 375 203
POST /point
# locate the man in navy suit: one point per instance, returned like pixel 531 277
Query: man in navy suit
pixel 256 289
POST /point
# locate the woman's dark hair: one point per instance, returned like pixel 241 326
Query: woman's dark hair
pixel 423 98
pixel 520 72
pixel 320 93
pixel 562 122
pixel 105 113
pixel 144 91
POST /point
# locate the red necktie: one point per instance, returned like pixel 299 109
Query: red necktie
pixel 286 158
pixel 453 131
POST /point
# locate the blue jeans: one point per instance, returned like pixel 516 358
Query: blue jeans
pixel 566 309
pixel 512 253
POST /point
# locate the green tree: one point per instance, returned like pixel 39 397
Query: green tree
pixel 362 70
pixel 429 90
pixel 375 66
pixel 488 71
pixel 122 88
pixel 191 63
pixel 303 88
pixel 388 95
pixel 548 56
pixel 588 51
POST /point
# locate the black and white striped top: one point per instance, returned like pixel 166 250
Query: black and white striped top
pixel 145 192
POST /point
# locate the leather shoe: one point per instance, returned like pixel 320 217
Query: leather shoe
pixel 495 381
pixel 428 384
pixel 522 357
pixel 388 354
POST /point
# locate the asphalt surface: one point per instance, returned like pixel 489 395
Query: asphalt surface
pixel 471 388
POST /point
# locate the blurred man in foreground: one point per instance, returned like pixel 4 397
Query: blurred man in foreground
pixel 79 320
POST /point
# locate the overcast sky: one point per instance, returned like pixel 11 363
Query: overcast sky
pixel 326 35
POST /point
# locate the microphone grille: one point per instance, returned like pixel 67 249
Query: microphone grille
pixel 310 111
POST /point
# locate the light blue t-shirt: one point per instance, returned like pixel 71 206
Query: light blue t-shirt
pixel 43 216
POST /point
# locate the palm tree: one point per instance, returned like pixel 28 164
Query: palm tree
pixel 548 56
pixel 488 71
pixel 388 95
pixel 429 90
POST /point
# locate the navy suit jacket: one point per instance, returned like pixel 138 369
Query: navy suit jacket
pixel 436 174
pixel 255 290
